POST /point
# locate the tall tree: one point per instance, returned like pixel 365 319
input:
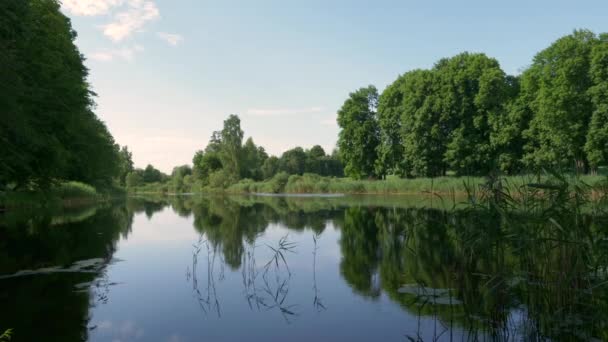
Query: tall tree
pixel 270 167
pixel 424 133
pixel 473 88
pixel 253 159
pixel 126 164
pixel 390 111
pixel 558 85
pixel 596 146
pixel 315 160
pixel 359 133
pixel 293 161
pixel 50 132
pixel 231 147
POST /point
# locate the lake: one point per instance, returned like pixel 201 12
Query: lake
pixel 259 268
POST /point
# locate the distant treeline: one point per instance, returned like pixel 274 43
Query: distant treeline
pixel 467 116
pixel 226 160
pixel 48 130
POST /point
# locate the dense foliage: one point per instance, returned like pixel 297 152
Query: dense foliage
pixel 226 160
pixel 466 116
pixel 48 131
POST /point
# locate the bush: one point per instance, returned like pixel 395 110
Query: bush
pixel 75 190
pixel 221 180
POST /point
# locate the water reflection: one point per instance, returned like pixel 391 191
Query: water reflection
pixel 463 268
pixel 72 249
pixel 457 274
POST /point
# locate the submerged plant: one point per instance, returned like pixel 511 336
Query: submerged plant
pixel 6 336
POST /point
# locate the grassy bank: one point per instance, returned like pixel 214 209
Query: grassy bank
pixel 66 194
pixel 310 183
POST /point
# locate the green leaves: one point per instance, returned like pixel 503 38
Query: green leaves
pixel 50 131
pixel 360 135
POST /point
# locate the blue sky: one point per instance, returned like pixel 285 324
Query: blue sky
pixel 168 72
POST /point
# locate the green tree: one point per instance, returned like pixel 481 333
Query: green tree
pixel 558 83
pixel 473 89
pixel 152 175
pixel 390 111
pixel 270 167
pixel 424 133
pixel 506 130
pixel 50 132
pixel 134 179
pixel 596 146
pixel 359 133
pixel 253 159
pixel 293 161
pixel 126 164
pixel 231 147
pixel 315 160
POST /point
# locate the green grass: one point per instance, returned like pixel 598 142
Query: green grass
pixel 311 183
pixel 63 194
pixel 150 188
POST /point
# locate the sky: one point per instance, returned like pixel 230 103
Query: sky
pixel 169 72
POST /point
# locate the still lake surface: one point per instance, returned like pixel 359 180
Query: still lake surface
pixel 287 268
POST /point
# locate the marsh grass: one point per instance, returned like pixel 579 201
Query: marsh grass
pixel 6 336
pixel 543 242
pixel 312 183
pixel 62 194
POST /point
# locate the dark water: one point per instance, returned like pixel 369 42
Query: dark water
pixel 300 269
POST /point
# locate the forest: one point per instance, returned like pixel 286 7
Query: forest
pixel 463 117
pixel 49 131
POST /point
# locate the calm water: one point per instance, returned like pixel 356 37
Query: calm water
pixel 275 269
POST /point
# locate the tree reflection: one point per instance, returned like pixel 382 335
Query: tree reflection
pixel 79 238
pixel 532 273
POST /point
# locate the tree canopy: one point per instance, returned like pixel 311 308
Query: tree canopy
pixel 48 130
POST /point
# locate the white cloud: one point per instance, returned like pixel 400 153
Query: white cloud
pixel 171 38
pixel 131 20
pixel 126 54
pixel 284 111
pixel 90 7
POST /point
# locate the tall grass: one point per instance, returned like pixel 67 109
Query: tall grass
pixel 63 194
pixel 312 183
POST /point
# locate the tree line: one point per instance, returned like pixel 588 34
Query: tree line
pixel 48 130
pixel 467 116
pixel 227 159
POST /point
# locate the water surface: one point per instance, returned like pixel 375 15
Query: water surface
pixel 273 268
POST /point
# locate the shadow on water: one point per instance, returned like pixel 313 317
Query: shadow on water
pixel 52 269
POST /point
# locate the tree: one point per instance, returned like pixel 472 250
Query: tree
pixel 390 111
pixel 152 175
pixel 596 146
pixel 473 89
pixel 126 164
pixel 315 158
pixel 134 179
pixel 253 159
pixel 558 83
pixel 231 147
pixel 270 167
pixel 424 133
pixel 506 130
pixel 293 161
pixel 359 135
pixel 50 132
